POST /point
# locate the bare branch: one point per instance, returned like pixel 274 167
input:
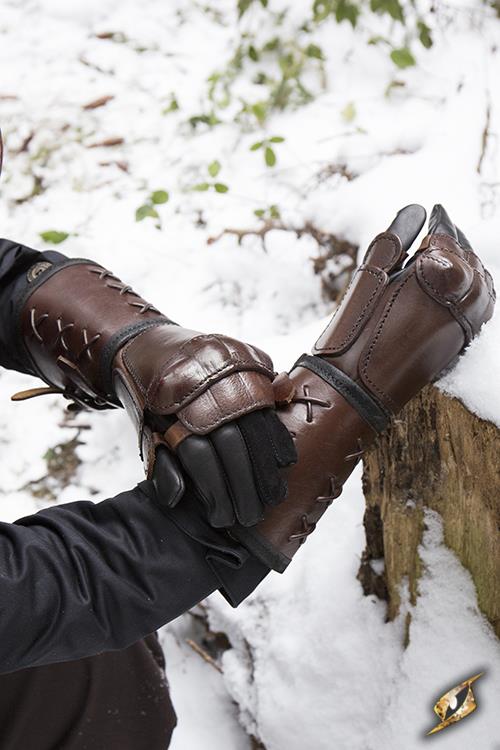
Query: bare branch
pixel 204 654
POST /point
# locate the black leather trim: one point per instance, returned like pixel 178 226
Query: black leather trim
pixel 260 547
pixel 377 417
pixel 118 340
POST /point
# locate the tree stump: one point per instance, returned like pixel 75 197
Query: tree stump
pixel 438 455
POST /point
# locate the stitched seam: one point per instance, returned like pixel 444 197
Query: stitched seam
pixel 391 239
pixel 441 263
pixel 490 295
pixel 465 250
pixel 377 336
pixel 226 417
pixel 218 337
pixel 248 366
pixel 359 320
pixel 457 313
pixel 438 294
pixel 131 367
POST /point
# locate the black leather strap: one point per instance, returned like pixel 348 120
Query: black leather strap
pixel 376 416
pixel 118 340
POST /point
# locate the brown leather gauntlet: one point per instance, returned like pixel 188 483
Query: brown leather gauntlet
pixel 92 338
pixel 397 328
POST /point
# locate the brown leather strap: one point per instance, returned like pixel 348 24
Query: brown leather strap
pixel 176 434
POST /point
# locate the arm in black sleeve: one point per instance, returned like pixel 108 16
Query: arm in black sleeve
pixel 15 262
pixel 82 578
pixel 79 579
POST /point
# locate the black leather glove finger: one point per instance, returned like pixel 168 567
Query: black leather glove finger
pixel 237 464
pixel 440 222
pixel 236 470
pixel 201 463
pixel 167 478
pixel 463 239
pixel 407 224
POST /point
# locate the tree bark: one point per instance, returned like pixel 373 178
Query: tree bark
pixel 436 455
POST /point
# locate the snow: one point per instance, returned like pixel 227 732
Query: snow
pixel 206 716
pixel 327 671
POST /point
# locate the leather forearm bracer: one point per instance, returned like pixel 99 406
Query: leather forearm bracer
pixel 92 338
pixel 397 328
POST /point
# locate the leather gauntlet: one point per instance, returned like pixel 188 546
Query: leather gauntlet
pixel 208 398
pixel 397 328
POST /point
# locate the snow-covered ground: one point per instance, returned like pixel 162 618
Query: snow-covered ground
pixel 326 670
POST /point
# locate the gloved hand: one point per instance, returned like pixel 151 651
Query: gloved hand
pixel 400 324
pixel 203 404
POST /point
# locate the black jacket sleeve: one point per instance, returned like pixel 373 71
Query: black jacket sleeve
pixel 15 262
pixel 79 579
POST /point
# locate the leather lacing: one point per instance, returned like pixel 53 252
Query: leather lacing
pixel 124 289
pixel 309 402
pixel 334 492
pixel 88 343
pixel 81 398
pixel 61 330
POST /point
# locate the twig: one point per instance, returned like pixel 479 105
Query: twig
pixel 69 426
pixel 123 165
pixel 92 65
pixel 98 102
pixel 107 142
pixel 324 239
pixel 485 137
pixel 204 655
pixel 26 142
pixel 267 226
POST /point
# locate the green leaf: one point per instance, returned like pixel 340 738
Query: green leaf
pixel 393 86
pixel 348 114
pixel 312 50
pixel 392 7
pixel 403 58
pixel 424 34
pixel 347 11
pixel 259 213
pixel 274 212
pixel 253 54
pixel 220 187
pixel 159 196
pixel 322 9
pixel 256 146
pixel 377 39
pixel 259 110
pixel 270 156
pixel 276 139
pixel 272 45
pixel 146 210
pixel 54 237
pixel 211 120
pixel 287 64
pixel 243 6
pixel 173 106
pixel 214 168
pixel 202 187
